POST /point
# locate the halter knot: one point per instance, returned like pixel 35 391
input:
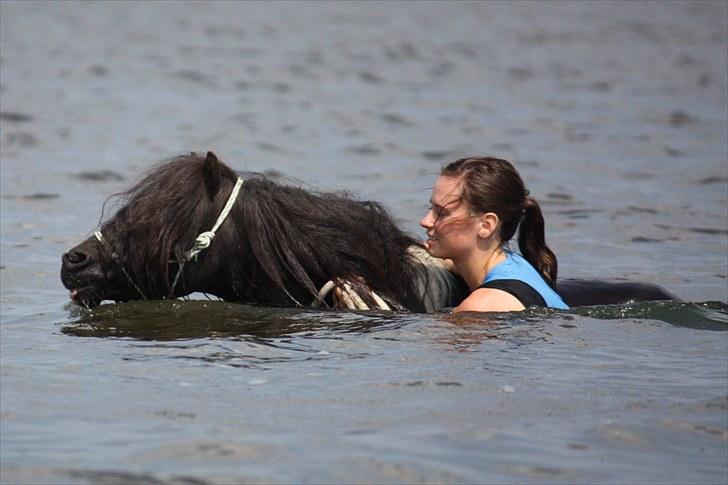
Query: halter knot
pixel 201 243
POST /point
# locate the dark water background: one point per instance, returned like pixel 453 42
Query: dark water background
pixel 615 113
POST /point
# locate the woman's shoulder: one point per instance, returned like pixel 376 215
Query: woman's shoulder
pixel 489 300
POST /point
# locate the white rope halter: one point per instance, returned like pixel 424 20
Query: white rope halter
pixel 204 240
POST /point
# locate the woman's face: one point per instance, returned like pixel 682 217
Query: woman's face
pixel 452 230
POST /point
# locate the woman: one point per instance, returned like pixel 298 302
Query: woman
pixel 476 206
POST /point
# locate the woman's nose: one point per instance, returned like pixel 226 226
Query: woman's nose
pixel 426 221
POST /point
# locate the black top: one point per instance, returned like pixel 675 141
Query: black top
pixel 522 291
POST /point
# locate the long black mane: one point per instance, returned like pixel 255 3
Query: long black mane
pixel 279 244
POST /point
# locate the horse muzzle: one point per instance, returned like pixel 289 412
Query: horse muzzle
pixel 82 274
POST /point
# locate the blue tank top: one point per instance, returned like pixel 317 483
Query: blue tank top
pixel 515 267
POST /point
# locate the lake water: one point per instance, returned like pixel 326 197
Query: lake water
pixel 616 114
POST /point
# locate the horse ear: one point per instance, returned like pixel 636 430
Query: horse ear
pixel 211 174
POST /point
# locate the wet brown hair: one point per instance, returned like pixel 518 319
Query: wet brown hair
pixel 494 185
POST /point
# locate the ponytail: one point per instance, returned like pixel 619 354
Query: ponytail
pixel 532 242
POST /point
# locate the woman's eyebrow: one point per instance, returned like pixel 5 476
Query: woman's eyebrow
pixel 450 203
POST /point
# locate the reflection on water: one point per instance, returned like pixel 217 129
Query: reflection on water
pixel 165 320
pixel 179 320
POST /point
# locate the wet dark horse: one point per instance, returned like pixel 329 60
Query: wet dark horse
pixel 277 246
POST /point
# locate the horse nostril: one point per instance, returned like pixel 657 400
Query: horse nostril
pixel 75 259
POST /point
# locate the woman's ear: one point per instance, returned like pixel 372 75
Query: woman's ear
pixel 488 224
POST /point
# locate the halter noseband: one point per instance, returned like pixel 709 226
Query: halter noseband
pixel 201 243
pixel 115 258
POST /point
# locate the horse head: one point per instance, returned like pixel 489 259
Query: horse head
pixel 138 253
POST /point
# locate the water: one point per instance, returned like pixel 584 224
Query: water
pixel 616 115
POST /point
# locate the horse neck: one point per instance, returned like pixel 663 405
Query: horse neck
pixel 281 253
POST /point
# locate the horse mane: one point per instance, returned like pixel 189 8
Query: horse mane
pixel 279 245
pixel 298 239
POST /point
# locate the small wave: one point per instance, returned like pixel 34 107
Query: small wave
pixel 710 315
pixel 15 117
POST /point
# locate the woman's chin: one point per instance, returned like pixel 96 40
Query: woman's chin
pixel 432 247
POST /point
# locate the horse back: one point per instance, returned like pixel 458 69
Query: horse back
pixel 577 292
